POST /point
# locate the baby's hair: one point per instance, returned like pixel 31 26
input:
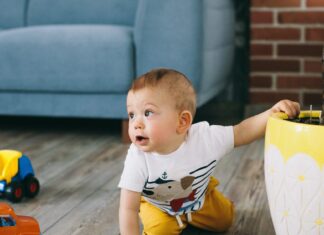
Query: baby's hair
pixel 174 82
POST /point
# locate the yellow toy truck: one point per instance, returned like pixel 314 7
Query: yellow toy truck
pixel 17 178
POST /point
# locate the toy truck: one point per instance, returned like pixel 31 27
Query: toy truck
pixel 17 178
pixel 12 224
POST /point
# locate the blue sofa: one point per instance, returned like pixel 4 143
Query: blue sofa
pixel 77 58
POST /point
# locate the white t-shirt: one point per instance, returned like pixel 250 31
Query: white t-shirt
pixel 176 183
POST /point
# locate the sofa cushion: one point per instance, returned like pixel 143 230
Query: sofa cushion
pixel 77 58
pixel 82 12
pixel 12 13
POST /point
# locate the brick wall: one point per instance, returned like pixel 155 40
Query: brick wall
pixel 287 37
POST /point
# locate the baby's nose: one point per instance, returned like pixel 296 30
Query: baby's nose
pixel 138 124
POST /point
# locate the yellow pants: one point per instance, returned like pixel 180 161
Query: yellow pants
pixel 217 214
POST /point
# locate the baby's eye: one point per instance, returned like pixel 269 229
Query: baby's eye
pixel 131 115
pixel 148 113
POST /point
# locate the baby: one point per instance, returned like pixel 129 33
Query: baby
pixel 167 173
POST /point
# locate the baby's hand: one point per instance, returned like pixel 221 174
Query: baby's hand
pixel 289 107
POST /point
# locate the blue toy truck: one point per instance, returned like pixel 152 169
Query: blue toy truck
pixel 17 178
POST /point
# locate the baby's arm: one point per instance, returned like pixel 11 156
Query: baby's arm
pixel 254 127
pixel 128 212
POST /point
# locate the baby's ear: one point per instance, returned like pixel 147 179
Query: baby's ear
pixel 185 120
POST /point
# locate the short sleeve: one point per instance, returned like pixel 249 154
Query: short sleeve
pixel 217 140
pixel 134 173
pixel 222 138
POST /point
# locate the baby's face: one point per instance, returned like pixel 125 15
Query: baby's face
pixel 153 120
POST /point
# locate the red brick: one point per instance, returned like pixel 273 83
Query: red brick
pixel 261 49
pixel 274 65
pixel 270 97
pixel 314 17
pixel 313 99
pixel 275 3
pixel 259 81
pixel 313 66
pixel 275 34
pixel 315 3
pixel 261 17
pixel 315 34
pixel 300 50
pixel 299 82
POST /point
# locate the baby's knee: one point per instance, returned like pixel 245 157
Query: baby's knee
pixel 162 227
pixel 228 218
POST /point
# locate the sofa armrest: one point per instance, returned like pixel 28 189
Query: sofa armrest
pixel 168 33
pixel 12 13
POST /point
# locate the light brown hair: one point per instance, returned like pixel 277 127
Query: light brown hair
pixel 173 82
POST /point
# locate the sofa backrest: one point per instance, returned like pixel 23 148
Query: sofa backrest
pixel 12 13
pixel 195 37
pixel 121 12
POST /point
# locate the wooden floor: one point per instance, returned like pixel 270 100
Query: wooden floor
pixel 79 164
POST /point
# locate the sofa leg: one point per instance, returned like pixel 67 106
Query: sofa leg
pixel 125 136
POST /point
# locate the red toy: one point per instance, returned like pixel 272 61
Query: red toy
pixel 12 224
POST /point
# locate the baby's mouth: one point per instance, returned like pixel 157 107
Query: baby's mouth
pixel 141 139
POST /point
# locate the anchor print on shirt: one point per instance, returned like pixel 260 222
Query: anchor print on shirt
pixel 175 192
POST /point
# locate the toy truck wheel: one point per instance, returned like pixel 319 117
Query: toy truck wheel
pixel 15 192
pixel 31 186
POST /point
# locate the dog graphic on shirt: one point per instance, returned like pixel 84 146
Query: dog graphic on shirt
pixel 175 192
